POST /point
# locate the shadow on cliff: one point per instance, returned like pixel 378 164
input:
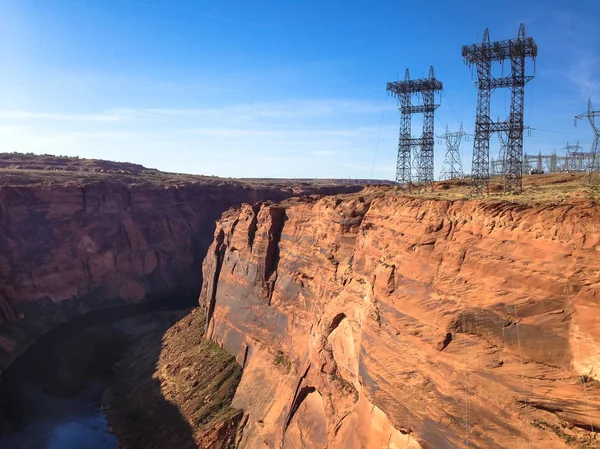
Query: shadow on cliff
pixel 54 394
pixel 173 388
pixel 139 413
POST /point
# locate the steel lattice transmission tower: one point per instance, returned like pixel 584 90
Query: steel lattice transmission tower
pixel 595 150
pixel 423 146
pixel 452 167
pixel 482 56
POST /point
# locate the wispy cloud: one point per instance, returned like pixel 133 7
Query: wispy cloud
pixel 289 109
pixel 579 45
pixel 583 73
pixel 261 110
pixel 57 116
pixel 291 137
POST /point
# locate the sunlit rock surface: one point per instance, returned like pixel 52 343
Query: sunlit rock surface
pixel 374 320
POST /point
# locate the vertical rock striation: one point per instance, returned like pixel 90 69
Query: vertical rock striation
pixel 373 320
pixel 70 248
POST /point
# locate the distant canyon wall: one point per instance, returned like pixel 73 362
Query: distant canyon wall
pixel 374 320
pixel 67 250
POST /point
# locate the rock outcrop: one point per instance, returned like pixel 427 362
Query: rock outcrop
pixel 374 320
pixel 71 247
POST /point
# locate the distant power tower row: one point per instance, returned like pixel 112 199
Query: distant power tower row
pixel 573 160
pixel 420 147
pixel 591 115
pixel 482 56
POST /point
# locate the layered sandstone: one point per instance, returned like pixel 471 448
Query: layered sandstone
pixel 374 320
pixel 68 247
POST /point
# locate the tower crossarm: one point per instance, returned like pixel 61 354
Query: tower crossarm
pixel 591 115
pixel 422 108
pixel 521 47
pixel 497 83
pixel 414 86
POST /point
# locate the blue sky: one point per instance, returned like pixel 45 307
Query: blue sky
pixel 284 89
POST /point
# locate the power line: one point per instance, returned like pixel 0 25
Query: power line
pixel 591 84
pixel 450 106
pixel 377 144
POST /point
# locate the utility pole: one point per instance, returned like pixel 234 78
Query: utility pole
pixel 422 146
pixel 452 167
pixel 591 115
pixel 482 56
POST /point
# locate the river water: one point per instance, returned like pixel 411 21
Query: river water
pixel 53 396
pixel 51 422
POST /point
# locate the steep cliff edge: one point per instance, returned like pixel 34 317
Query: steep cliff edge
pixel 374 320
pixel 69 245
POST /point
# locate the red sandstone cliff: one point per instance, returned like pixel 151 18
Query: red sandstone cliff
pixel 71 247
pixel 373 320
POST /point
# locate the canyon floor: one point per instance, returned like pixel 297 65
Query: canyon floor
pixel 129 378
pixel 173 388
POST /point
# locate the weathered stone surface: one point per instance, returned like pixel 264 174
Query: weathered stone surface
pixel 374 320
pixel 68 249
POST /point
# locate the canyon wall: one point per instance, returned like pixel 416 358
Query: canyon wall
pixel 373 320
pixel 72 248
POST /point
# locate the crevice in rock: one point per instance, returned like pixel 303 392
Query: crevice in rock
pixel 219 255
pixel 300 397
pixel 126 235
pixel 278 219
pixel 445 342
pixel 252 228
pixel 391 283
pixel 295 402
pixel 8 311
pixel 245 357
pixel 240 429
pixel 86 271
pixel 335 323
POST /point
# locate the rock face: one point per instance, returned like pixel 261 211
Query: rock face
pixel 69 249
pixel 374 320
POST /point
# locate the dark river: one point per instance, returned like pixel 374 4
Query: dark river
pixel 54 395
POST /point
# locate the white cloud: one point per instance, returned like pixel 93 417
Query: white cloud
pixel 262 110
pixel 584 74
pixel 231 113
pixel 57 116
pixel 290 138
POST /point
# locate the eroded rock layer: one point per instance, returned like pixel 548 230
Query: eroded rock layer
pixel 68 249
pixel 374 320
